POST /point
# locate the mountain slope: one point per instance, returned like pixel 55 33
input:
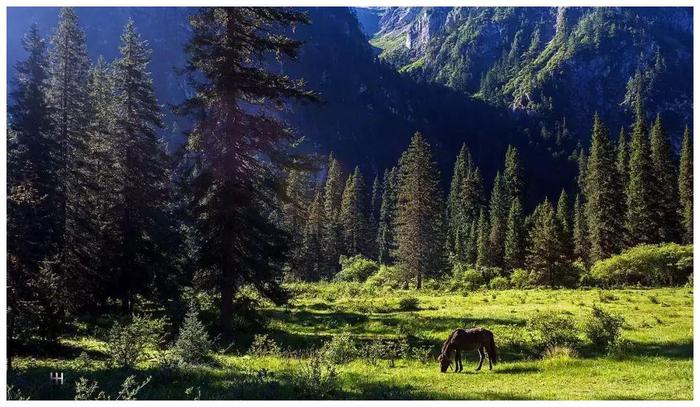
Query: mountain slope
pixel 549 62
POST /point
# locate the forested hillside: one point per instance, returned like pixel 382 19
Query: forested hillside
pixel 551 62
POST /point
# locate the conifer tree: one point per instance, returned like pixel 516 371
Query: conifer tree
pixel 386 243
pixel 580 232
pixel 564 225
pixel 419 220
pixel 622 160
pixel 666 203
pixel 515 237
pixel 31 189
pixel 239 154
pixel 354 215
pixel 69 103
pixel 375 208
pixel 31 182
pixel 332 230
pixel 143 216
pixel 513 177
pixel 582 170
pixel 640 222
pixel 685 187
pixel 311 250
pixel 455 210
pixel 544 251
pixel 472 243
pixel 472 200
pixel 603 206
pixel 498 216
pixel 482 241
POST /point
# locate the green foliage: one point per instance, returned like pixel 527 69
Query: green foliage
pixel 602 328
pixel 263 345
pixel 317 378
pixel 340 349
pixel 90 390
pixel 409 304
pixel 128 341
pixel 647 265
pixel 464 276
pixel 354 216
pixel 193 343
pixel 553 328
pixel 685 187
pixel 499 283
pixel 387 276
pixel 356 268
pixel 521 278
pixel 419 219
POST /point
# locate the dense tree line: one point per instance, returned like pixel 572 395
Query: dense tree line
pixel 628 192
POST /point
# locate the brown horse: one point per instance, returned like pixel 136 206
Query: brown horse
pixel 478 339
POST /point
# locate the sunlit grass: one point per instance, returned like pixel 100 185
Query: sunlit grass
pixel 657 365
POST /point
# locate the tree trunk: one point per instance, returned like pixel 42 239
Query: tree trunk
pixel 419 280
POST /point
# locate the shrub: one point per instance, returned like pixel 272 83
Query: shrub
pixel 264 346
pixel 471 279
pixel 422 354
pixel 499 283
pixel 340 349
pixel 317 378
pixel 127 342
pixel 521 279
pixel 356 268
pixel 409 304
pixel 602 328
pixel 389 350
pixel 90 390
pixel 646 265
pixel 193 343
pixel 386 276
pixel 553 328
pixel 559 355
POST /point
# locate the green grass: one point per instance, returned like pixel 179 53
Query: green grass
pixel 656 365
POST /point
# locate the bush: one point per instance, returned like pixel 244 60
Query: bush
pixel 465 277
pixel 646 265
pixel 356 268
pixel 553 329
pixel 193 343
pixel 559 355
pixel 409 304
pixel 389 350
pixel 499 283
pixel 602 328
pixel 90 390
pixel 521 279
pixel 264 346
pixel 317 378
pixel 127 342
pixel 620 349
pixel 340 349
pixel 386 276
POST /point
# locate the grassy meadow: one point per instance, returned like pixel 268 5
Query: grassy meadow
pixel 654 363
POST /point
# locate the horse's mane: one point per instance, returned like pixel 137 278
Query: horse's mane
pixel 447 342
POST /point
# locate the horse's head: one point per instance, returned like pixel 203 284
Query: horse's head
pixel 445 362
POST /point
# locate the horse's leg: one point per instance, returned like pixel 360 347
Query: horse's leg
pixel 456 360
pixel 481 359
pixel 490 363
pixel 459 360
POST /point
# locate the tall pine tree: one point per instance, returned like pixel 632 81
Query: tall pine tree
pixel 603 205
pixel 419 220
pixel 515 237
pixel 640 222
pixel 685 186
pixel 386 235
pixel 666 203
pixel 354 215
pixel 498 216
pixel 332 230
pixel 239 152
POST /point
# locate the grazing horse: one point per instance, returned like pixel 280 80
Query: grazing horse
pixel 478 339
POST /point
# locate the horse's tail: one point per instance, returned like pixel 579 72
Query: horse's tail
pixel 493 355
